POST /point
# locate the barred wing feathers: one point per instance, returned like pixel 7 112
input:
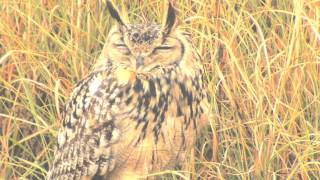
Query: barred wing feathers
pixel 114 110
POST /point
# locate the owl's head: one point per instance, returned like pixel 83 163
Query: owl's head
pixel 145 47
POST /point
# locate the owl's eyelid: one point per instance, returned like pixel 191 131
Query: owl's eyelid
pixel 122 48
pixel 119 45
pixel 164 47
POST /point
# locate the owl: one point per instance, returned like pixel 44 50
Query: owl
pixel 139 111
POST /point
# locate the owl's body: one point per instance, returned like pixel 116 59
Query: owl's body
pixel 138 112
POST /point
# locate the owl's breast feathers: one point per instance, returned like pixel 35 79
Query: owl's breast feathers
pixel 107 103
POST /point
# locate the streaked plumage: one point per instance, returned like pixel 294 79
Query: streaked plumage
pixel 139 111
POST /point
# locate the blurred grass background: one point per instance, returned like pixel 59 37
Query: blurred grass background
pixel 262 59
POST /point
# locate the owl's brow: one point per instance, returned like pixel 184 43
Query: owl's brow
pixel 116 33
pixel 139 33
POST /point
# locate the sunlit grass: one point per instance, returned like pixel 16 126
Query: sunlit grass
pixel 262 59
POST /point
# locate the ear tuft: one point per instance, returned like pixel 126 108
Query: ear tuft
pixel 115 13
pixel 170 19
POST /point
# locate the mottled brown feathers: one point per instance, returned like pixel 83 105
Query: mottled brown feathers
pixel 125 121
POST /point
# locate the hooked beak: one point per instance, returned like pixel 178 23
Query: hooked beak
pixel 139 62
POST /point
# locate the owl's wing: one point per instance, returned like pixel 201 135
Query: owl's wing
pixel 88 127
pixel 103 106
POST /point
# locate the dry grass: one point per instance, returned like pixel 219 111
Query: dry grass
pixel 262 58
